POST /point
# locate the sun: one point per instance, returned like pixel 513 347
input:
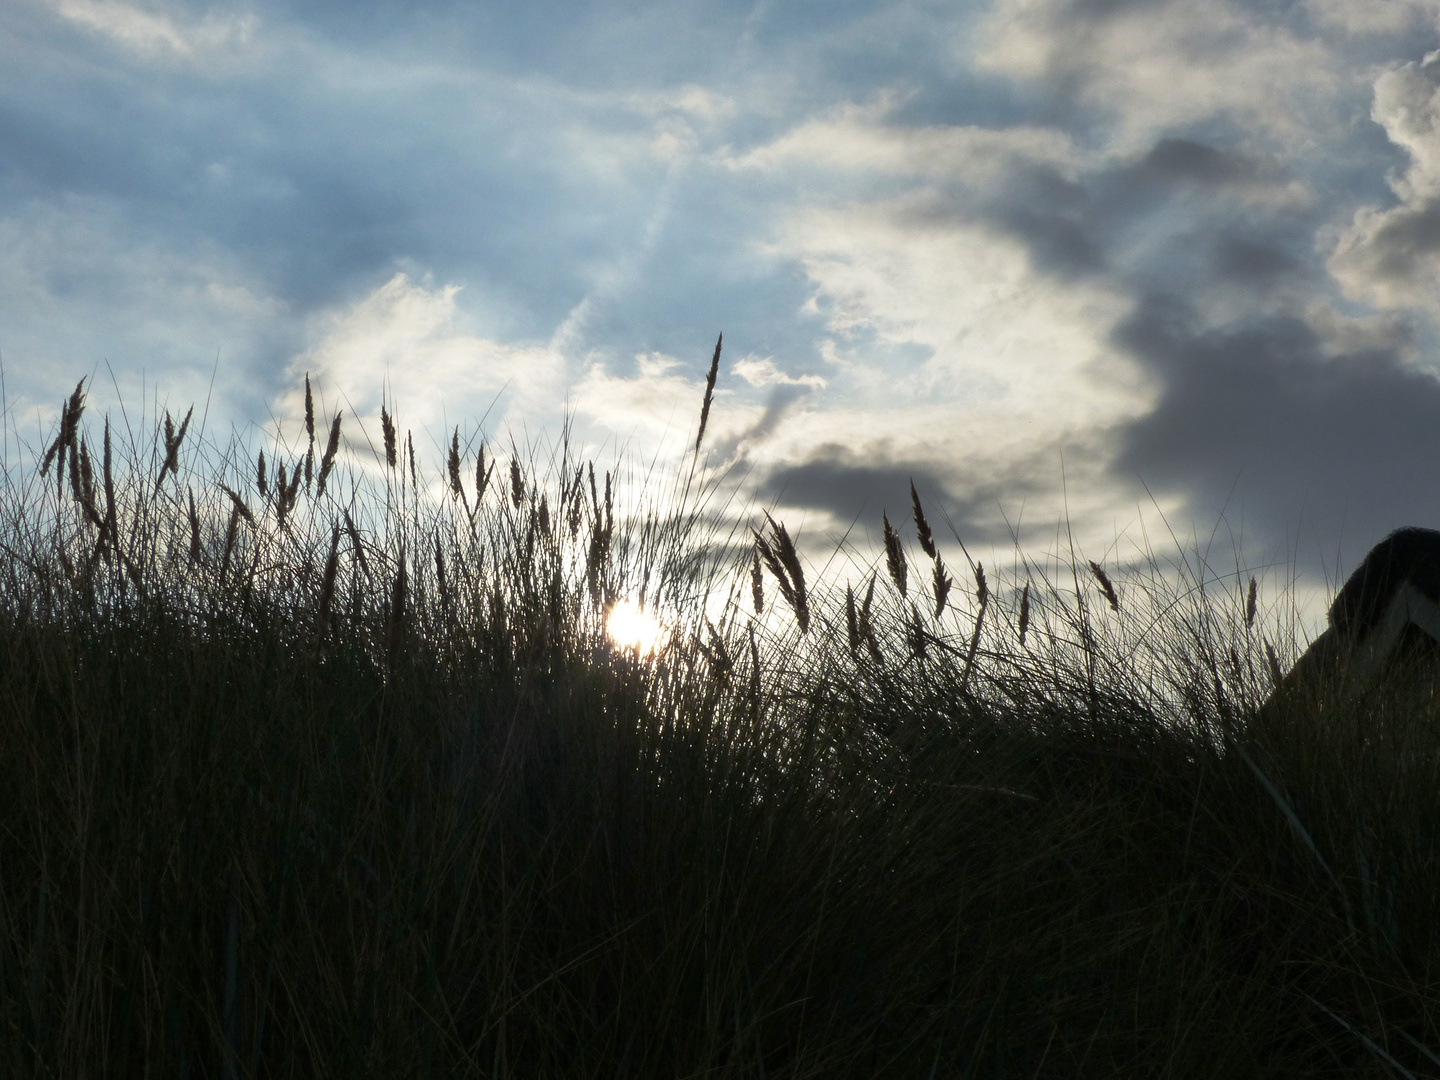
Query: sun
pixel 632 627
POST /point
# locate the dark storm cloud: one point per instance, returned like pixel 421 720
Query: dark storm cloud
pixel 1261 422
pixel 858 487
pixel 1183 217
pixel 1057 235
pixel 1070 227
pixel 1184 159
pixel 776 406
pixel 1059 221
pixel 1250 262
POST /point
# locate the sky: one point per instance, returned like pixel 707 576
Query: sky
pixel 1145 270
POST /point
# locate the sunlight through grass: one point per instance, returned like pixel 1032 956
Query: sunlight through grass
pixel 632 627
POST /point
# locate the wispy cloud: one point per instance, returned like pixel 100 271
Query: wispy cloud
pixel 152 29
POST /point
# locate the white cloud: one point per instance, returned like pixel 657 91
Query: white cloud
pixel 950 349
pixel 1407 106
pixel 1160 65
pixel 945 344
pixel 763 372
pixel 857 137
pixel 1390 256
pixel 697 102
pixel 656 403
pixel 154 30
pixel 405 338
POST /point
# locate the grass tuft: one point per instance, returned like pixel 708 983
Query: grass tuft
pixel 363 788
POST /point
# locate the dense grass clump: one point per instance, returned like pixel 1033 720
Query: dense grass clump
pixel 308 768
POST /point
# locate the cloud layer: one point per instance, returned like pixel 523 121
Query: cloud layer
pixel 1085 259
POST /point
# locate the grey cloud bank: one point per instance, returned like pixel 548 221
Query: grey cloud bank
pixel 1092 259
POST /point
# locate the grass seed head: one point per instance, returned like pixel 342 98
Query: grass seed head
pixel 576 508
pixel 609 507
pixel 309 411
pixel 784 549
pixel 239 503
pixel 76 490
pixel 332 447
pixel 941 582
pixel 1024 613
pixel 517 483
pixel 1250 605
pixel 387 430
pixel 70 412
pixel 1105 585
pixel 173 439
pixel 70 422
pixel 767 554
pixel 87 481
pixel 453 465
pixel 709 392
pixel 194 529
pixel 287 494
pixel 282 480
pixel 894 554
pixel 922 527
pixel 595 564
pixel 260 480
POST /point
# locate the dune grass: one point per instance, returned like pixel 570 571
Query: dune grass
pixel 323 765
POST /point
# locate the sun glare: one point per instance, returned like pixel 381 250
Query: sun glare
pixel 632 627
